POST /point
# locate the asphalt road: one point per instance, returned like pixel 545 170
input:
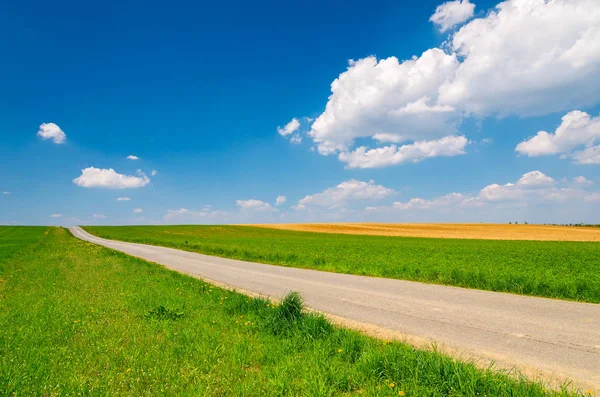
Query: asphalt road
pixel 539 336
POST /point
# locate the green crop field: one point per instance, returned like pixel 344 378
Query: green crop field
pixel 565 270
pixel 79 319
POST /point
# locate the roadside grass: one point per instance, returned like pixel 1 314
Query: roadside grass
pixel 15 238
pixel 79 319
pixel 563 270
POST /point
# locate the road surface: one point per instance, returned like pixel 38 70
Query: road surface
pixel 541 337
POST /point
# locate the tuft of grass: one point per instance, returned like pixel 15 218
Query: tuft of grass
pixel 289 317
pixel 72 323
pixel 163 313
pixel 555 269
pixel 291 307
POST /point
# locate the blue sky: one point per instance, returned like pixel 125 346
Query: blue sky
pixel 201 94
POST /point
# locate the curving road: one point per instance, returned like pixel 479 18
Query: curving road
pixel 546 337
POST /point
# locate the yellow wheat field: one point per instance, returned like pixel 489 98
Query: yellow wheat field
pixel 447 230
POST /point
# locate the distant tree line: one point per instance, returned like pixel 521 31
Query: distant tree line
pixel 561 224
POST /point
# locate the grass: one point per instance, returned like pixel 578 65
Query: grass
pixel 79 319
pixel 564 270
pixel 15 238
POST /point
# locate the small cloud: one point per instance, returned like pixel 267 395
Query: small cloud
pixel 535 178
pixel 363 157
pixel 452 13
pixel 254 205
pixel 582 180
pixel 206 214
pixel 109 178
pixel 132 157
pixel 154 172
pixel 289 128
pixel 296 139
pixel 280 200
pixel 575 138
pixel 6 193
pixel 341 195
pixel 138 210
pixel 55 215
pixel 99 216
pixel 52 131
pixel 123 199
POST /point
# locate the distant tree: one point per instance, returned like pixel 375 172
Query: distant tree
pixel 525 223
pixel 516 223
pixel 510 223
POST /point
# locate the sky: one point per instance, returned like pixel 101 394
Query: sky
pixel 138 112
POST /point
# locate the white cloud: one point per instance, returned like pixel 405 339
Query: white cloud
pixel 55 215
pixel 448 200
pixel 108 178
pixel 174 213
pixel 534 197
pixel 414 152
pixel 138 210
pixel 6 193
pixel 344 193
pixel 280 200
pixel 52 131
pixel 452 13
pixel 153 173
pixel 488 70
pixel 582 180
pixel 590 155
pixel 296 139
pixel 254 205
pixel 532 185
pixel 576 130
pixel 289 128
pixel 98 216
pixel 556 68
pixel 496 192
pixel 535 178
pixel 387 100
pixel 205 215
pixel 132 157
pixel 123 199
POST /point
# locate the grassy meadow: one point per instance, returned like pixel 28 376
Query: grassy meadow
pixel 79 319
pixel 555 269
pixel 15 238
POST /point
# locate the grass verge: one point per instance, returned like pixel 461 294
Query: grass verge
pixel 76 318
pixel 555 269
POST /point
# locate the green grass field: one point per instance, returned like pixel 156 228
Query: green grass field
pixel 565 270
pixel 15 238
pixel 79 319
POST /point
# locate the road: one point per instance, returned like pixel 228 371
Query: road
pixel 541 337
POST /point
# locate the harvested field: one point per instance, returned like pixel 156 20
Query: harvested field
pixel 451 230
